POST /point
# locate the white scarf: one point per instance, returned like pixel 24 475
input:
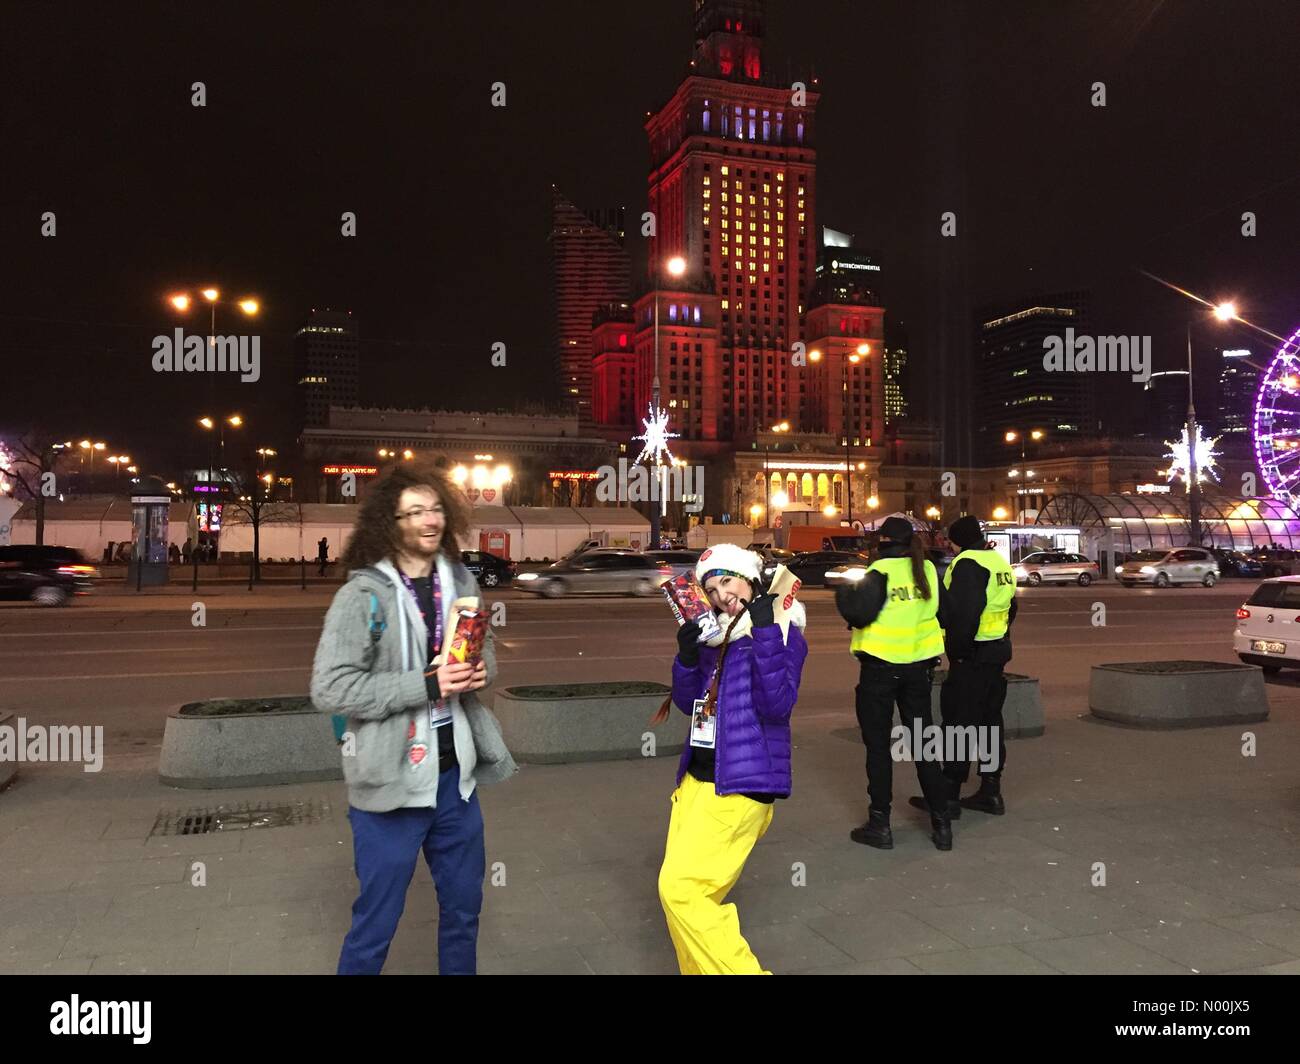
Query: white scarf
pixel 796 615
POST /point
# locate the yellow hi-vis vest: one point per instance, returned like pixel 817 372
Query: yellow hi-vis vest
pixel 907 627
pixel 996 618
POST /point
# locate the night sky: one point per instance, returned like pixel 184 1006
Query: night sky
pixel 384 109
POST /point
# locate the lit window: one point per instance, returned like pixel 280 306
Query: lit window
pixel 724 197
pixel 706 179
pixel 725 171
pixel 708 193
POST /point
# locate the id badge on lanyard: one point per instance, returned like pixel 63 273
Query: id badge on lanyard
pixel 439 710
pixel 704 724
pixel 704 716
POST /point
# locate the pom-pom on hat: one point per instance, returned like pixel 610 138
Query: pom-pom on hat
pixel 730 559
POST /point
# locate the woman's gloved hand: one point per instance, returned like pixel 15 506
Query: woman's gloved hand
pixel 688 644
pixel 762 611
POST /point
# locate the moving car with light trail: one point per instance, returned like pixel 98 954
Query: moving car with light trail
pixel 1055 567
pixel 1161 568
pixel 602 572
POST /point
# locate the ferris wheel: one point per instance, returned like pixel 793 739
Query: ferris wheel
pixel 1277 422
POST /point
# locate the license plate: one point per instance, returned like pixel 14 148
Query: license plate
pixel 1265 647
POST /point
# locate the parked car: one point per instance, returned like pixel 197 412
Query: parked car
pixel 772 557
pixel 1268 625
pixel 1237 563
pixel 488 569
pixel 1180 565
pixel 602 572
pixel 1055 567
pixel 49 576
pixel 813 568
pixel 679 561
pixel 1280 562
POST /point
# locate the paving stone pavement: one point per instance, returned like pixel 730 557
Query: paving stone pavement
pixel 1199 848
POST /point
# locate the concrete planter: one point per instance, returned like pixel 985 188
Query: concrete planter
pixel 1177 694
pixel 248 743
pixel 1022 712
pixel 8 769
pixel 558 723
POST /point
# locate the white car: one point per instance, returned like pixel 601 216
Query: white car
pixel 1268 625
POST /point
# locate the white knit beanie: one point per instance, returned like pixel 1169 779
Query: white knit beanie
pixel 730 559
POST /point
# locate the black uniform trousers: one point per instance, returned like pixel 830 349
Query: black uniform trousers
pixel 879 687
pixel 973 694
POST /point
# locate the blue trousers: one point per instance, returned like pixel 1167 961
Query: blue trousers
pixel 386 846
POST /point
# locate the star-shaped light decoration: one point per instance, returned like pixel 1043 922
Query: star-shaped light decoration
pixel 1180 453
pixel 656 437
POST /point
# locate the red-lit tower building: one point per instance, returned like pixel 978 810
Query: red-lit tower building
pixel 732 190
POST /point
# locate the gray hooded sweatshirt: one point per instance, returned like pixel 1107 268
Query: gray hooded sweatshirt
pixel 377 682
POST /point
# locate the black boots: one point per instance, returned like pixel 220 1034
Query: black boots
pixel 954 807
pixel 941 833
pixel 875 832
pixel 989 797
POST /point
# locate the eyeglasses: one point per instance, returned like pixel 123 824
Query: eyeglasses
pixel 417 512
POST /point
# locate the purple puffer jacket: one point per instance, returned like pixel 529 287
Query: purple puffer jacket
pixel 759 686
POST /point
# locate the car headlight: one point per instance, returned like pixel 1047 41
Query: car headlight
pixel 1020 570
pixel 1147 569
pixel 855 573
pixel 527 576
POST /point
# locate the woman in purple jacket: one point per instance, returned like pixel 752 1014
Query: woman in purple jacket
pixel 738 689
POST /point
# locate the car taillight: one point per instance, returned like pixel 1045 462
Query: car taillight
pixel 76 568
pixel 666 570
pixel 1242 613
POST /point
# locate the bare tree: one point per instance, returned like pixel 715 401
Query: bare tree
pixel 29 461
pixel 254 505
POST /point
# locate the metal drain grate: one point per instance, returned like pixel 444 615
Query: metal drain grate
pixel 239 817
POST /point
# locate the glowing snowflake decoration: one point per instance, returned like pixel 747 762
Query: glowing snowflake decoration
pixel 1179 458
pixel 656 439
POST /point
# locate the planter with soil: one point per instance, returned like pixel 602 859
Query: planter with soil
pixel 556 723
pixel 248 742
pixel 1177 694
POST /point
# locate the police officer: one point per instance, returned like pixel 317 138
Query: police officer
pixel 979 606
pixel 893 612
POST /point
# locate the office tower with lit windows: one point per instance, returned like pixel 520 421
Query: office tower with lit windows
pixel 732 191
pixel 1015 393
pixel 590 269
pixel 1165 405
pixel 895 369
pixel 326 351
pixel 1238 383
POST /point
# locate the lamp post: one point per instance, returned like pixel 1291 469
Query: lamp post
pixel 676 266
pixel 784 426
pixel 1011 436
pixel 1224 312
pixel 857 356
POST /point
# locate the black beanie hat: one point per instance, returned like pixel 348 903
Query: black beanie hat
pixel 966 532
pixel 896 530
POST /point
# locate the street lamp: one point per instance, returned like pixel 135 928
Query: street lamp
pixel 1224 312
pixel 1013 435
pixel 234 421
pixel 90 448
pixel 857 356
pixel 783 426
pixel 676 267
